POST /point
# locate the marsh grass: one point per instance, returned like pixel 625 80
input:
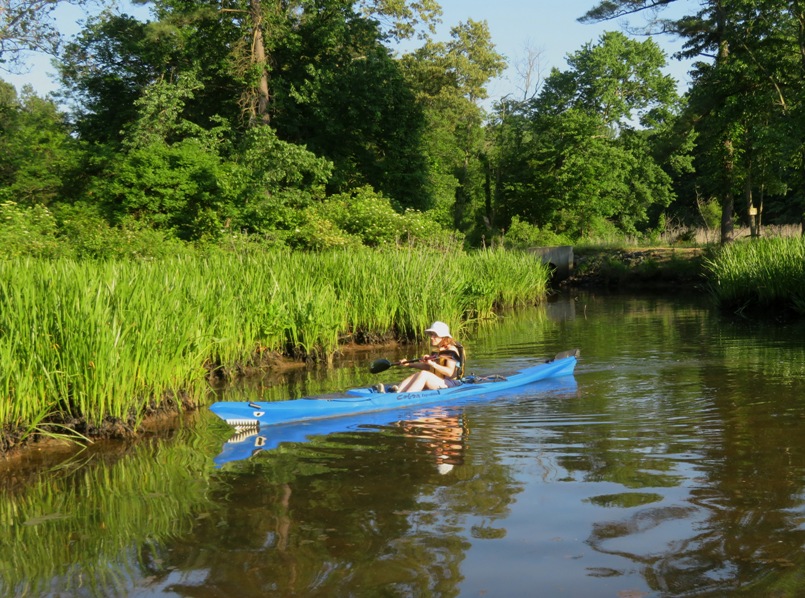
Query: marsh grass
pixel 100 341
pixel 759 275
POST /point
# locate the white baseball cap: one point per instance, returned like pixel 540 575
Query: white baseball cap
pixel 440 329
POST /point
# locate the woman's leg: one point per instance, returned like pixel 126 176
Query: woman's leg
pixel 420 381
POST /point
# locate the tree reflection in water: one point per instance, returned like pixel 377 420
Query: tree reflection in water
pixel 347 513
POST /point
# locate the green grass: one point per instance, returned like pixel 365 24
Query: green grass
pixel 98 341
pixel 759 274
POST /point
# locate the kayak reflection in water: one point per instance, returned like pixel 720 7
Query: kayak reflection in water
pixel 440 369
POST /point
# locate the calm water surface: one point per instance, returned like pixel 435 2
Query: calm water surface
pixel 671 464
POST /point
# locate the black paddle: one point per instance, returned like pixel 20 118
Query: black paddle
pixel 381 365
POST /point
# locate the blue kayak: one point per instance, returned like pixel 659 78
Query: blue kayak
pixel 248 415
pixel 246 443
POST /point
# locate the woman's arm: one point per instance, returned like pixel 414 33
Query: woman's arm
pixel 446 370
pixel 423 363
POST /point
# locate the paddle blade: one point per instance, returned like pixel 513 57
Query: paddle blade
pixel 379 365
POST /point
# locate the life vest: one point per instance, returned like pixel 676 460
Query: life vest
pixel 459 356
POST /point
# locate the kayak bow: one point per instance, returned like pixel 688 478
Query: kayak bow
pixel 247 415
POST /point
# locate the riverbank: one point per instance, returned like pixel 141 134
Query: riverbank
pixel 92 348
pixel 761 279
pixel 82 336
pixel 656 268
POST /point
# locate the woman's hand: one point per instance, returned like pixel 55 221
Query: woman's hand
pixel 430 363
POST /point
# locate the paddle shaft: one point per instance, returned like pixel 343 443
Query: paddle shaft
pixel 381 365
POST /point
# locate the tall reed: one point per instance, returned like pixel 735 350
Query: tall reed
pixel 762 273
pixel 100 340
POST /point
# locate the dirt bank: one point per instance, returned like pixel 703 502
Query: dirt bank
pixel 651 268
pixel 17 446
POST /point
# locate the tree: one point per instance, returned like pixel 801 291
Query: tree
pixel 338 91
pixel 578 162
pixel 105 71
pixel 334 87
pixel 796 10
pixel 38 157
pixel 273 20
pixel 28 26
pixel 173 175
pixel 752 47
pixel 450 81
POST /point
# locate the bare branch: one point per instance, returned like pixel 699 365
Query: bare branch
pixel 529 70
pixel 28 26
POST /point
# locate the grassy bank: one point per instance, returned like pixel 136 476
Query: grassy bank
pixel 765 275
pixel 85 345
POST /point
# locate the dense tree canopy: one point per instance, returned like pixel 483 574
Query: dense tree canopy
pixel 580 162
pixel 745 102
pixel 288 120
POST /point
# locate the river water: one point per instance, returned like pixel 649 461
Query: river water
pixel 671 464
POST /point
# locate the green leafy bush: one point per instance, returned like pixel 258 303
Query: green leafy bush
pixel 85 233
pixel 318 233
pixel 710 211
pixel 171 187
pixel 422 228
pixel 365 214
pixel 371 218
pixel 27 231
pixel 522 235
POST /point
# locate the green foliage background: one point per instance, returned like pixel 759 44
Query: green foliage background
pixel 276 127
pixel 317 135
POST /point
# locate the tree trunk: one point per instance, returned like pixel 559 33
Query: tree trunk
pixel 751 211
pixel 258 111
pixel 728 198
pixel 462 192
pixel 798 12
pixel 488 205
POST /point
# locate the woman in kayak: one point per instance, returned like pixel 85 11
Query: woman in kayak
pixel 440 369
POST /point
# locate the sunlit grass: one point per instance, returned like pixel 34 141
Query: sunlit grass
pixel 761 273
pixel 101 340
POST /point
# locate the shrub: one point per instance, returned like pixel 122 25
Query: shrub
pixel 27 231
pixel 365 214
pixel 522 235
pixel 83 229
pixel 318 233
pixel 370 217
pixel 172 187
pixel 421 228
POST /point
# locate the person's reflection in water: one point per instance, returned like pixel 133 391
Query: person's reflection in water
pixel 443 433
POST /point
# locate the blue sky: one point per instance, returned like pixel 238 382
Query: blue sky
pixel 548 27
